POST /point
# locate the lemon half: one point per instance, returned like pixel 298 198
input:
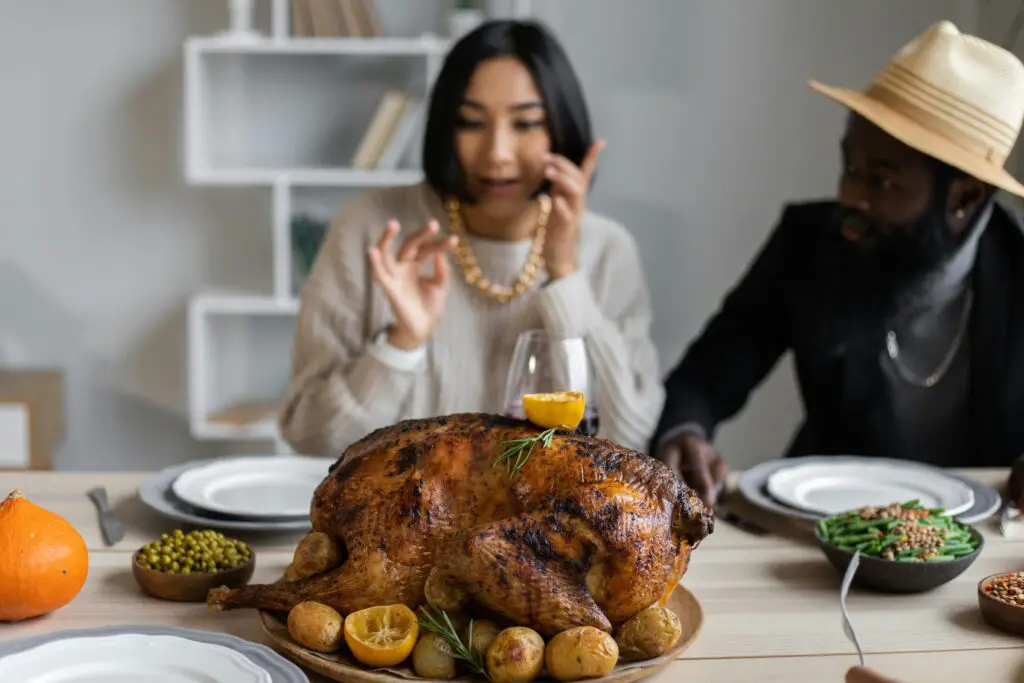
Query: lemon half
pixel 560 409
pixel 382 636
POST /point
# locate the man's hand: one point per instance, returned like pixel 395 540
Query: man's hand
pixel 697 463
pixel 1015 486
pixel 861 674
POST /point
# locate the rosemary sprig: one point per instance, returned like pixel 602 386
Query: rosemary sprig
pixel 516 452
pixel 437 621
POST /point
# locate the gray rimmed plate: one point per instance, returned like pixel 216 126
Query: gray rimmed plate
pixel 157 493
pixel 279 669
pixel 753 484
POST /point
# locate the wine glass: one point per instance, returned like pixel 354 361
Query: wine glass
pixel 542 364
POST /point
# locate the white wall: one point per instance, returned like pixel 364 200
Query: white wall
pixel 704 103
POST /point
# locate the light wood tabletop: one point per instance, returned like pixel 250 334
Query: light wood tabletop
pixel 771 609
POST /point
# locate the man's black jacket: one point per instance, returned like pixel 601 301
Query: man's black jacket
pixel 775 308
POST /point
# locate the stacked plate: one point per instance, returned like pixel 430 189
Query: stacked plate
pixel 817 486
pixel 270 493
pixel 155 654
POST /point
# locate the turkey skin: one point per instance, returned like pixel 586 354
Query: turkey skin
pixel 585 533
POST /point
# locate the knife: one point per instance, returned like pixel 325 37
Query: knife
pixel 110 525
pixel 727 515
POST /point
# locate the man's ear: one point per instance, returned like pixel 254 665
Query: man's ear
pixel 966 197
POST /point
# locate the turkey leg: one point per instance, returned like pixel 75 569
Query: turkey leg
pixel 366 579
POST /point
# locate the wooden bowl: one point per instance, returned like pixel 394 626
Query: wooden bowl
pixel 889 576
pixel 189 587
pixel 1001 615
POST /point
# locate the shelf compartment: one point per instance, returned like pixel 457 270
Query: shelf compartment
pixel 239 363
pixel 252 118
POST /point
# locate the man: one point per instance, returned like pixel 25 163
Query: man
pixel 903 301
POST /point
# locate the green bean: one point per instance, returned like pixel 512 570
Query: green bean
pixel 854 538
pixel 940 558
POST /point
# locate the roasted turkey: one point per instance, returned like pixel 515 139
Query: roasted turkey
pixel 585 533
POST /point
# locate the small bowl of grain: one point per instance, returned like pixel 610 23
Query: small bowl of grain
pixel 903 547
pixel 1001 600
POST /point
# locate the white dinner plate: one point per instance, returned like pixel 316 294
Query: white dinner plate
pixel 831 488
pixel 281 670
pixel 267 486
pixel 130 658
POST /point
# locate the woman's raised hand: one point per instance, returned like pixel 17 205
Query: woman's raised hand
pixel 570 185
pixel 417 300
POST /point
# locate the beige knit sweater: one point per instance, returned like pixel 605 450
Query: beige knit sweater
pixel 347 381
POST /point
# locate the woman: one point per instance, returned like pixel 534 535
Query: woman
pixel 507 246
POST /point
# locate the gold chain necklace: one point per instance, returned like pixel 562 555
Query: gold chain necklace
pixel 471 272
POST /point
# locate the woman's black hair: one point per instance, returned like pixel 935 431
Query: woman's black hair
pixel 568 120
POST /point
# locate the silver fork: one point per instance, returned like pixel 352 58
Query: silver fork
pixel 851 569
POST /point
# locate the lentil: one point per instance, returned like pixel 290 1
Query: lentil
pixel 196 552
pixel 1008 588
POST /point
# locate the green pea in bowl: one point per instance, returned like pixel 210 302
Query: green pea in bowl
pixel 184 567
pixel 904 547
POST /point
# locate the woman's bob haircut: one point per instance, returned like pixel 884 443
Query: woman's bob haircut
pixel 565 107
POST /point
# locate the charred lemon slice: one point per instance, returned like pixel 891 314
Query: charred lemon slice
pixel 561 409
pixel 382 636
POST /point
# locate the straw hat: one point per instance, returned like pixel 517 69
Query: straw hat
pixel 952 96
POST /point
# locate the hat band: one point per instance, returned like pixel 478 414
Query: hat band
pixel 935 112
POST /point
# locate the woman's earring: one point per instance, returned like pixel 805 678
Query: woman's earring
pixel 959 213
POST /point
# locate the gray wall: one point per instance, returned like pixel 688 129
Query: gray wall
pixel 705 106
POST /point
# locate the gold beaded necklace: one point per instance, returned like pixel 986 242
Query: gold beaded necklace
pixel 466 259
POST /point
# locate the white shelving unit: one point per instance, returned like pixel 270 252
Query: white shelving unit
pixel 285 114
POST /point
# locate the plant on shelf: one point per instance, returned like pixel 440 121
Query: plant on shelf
pixel 307 236
pixel 466 15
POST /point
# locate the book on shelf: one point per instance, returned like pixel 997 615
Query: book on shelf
pixel 393 130
pixel 335 19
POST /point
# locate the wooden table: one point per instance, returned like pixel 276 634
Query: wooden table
pixel 771 602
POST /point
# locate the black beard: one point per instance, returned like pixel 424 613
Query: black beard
pixel 864 287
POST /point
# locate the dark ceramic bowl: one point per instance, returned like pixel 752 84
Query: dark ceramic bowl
pixel 889 576
pixel 1001 615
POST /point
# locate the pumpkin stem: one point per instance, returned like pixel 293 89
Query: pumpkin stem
pixel 15 495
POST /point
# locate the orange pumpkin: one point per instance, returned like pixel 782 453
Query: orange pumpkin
pixel 43 560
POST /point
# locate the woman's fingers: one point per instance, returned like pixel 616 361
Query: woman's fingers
pixel 441 271
pixel 387 241
pixel 410 249
pixel 378 269
pixel 570 182
pixel 562 210
pixel 438 246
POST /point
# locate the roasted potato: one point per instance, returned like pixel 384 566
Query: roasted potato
pixel 316 553
pixel 443 593
pixel 648 634
pixel 516 655
pixel 484 633
pixel 316 626
pixel 581 652
pixel 432 657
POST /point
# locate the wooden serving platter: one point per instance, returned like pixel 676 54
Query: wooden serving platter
pixel 341 666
